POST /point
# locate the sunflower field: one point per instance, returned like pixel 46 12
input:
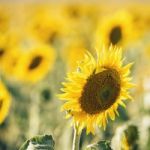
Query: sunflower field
pixel 74 75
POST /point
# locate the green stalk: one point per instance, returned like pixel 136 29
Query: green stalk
pixel 76 139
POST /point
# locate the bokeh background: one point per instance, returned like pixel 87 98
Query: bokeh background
pixel 41 41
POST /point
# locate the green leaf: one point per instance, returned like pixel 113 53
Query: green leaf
pixel 101 145
pixel 132 134
pixel 41 142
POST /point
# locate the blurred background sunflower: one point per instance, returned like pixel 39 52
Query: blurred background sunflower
pixel 35 62
pixel 40 41
pixel 116 29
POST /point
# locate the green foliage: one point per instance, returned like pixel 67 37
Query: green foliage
pixel 46 95
pixel 42 142
pixel 101 145
pixel 132 134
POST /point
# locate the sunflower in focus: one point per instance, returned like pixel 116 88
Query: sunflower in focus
pixel 115 30
pixel 5 102
pixel 95 90
pixel 35 63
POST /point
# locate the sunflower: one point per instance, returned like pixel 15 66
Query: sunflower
pixel 45 27
pixel 74 55
pixel 4 49
pixel 35 63
pixel 10 61
pixel 75 17
pixel 8 51
pixel 141 18
pixel 4 19
pixel 5 102
pixel 73 52
pixel 115 30
pixel 94 92
pixel 77 12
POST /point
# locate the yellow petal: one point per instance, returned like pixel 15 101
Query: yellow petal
pixel 111 114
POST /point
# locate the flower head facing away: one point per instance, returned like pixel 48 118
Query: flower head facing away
pixel 94 92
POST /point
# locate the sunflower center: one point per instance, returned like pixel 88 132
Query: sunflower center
pixel 1 103
pixel 74 12
pixel 115 35
pixel 1 52
pixel 101 91
pixel 35 62
pixel 52 37
pixel 105 93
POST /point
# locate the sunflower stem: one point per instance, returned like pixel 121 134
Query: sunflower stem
pixel 34 115
pixel 76 139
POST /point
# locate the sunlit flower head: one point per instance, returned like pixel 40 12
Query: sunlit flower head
pixel 115 29
pixel 3 48
pixel 10 61
pixel 4 18
pixel 35 63
pixel 46 27
pixel 141 19
pixel 10 51
pixel 95 90
pixel 76 12
pixel 72 53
